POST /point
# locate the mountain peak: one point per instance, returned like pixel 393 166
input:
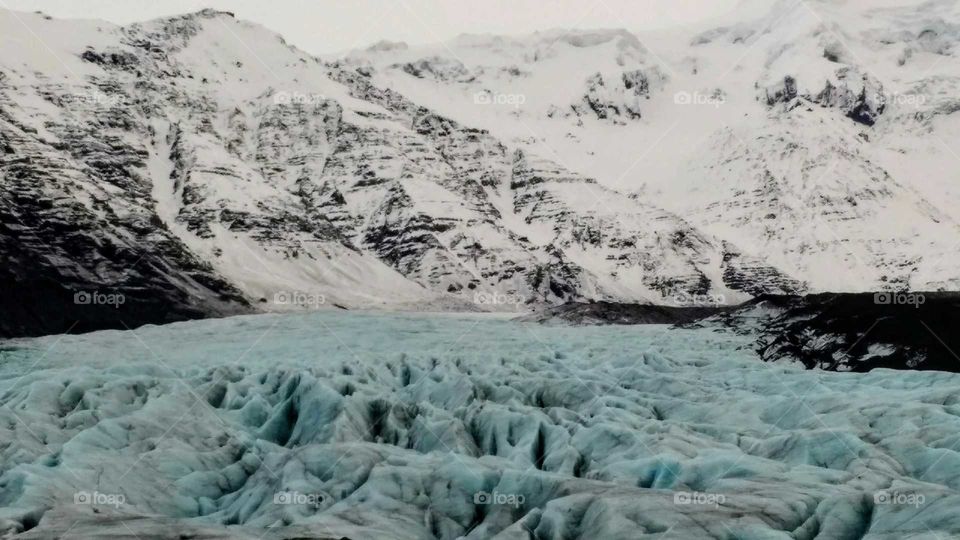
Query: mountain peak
pixel 210 13
pixel 387 45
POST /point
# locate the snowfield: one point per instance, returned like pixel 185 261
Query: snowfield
pixel 335 424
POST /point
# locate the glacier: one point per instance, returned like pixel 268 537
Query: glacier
pixel 336 424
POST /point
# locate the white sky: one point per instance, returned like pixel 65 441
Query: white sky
pixel 330 26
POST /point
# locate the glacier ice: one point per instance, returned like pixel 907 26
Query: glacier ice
pixel 330 425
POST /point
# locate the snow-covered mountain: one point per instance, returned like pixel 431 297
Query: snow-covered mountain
pixel 199 164
pixel 818 135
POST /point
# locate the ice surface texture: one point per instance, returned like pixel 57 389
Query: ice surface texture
pixel 329 425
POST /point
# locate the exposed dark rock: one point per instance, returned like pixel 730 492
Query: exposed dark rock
pixel 859 98
pixel 600 313
pixel 854 332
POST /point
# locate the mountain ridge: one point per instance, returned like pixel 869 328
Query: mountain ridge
pixel 813 133
pixel 247 178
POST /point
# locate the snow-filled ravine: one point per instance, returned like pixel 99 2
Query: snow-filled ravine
pixel 335 424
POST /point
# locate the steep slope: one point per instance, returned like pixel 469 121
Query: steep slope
pixel 816 135
pixel 81 245
pixel 268 178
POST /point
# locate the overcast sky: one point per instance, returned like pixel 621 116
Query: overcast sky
pixel 330 26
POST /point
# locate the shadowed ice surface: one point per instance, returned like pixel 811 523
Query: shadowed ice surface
pixel 337 425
